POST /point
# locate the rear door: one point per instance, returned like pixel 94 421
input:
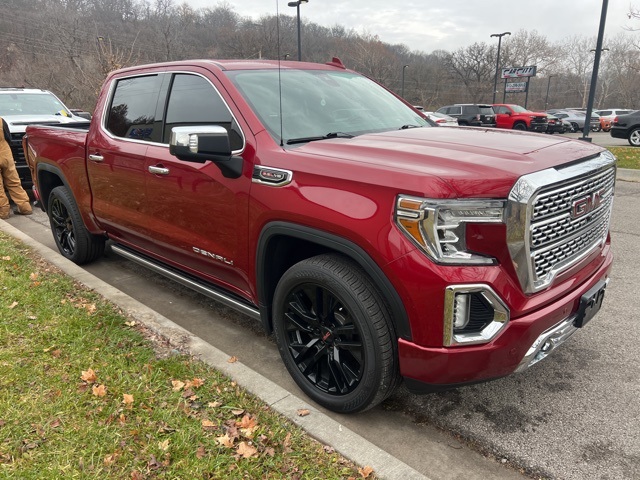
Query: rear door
pixel 116 156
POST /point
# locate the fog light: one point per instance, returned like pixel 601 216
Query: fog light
pixel 461 311
pixel 473 314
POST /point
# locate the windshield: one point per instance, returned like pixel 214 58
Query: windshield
pixel 519 109
pixel 19 103
pixel 319 104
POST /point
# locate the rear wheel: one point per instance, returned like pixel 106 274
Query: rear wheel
pixel 334 334
pixel 71 236
pixel 634 137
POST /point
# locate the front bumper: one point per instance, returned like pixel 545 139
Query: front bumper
pixel 516 348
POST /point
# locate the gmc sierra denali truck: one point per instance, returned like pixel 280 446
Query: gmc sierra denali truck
pixel 376 246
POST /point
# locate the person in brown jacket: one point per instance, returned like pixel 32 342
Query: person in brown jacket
pixel 9 179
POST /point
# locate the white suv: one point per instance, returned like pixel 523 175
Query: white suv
pixel 20 107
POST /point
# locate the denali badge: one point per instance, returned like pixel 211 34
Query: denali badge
pixel 272 176
pixel 219 258
pixel 587 204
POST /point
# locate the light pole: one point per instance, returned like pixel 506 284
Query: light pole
pixel 546 99
pixel 495 78
pixel 297 5
pixel 594 74
pixel 404 67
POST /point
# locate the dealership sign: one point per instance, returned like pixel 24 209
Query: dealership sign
pixel 519 72
pixel 514 87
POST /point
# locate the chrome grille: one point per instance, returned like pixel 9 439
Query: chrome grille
pixel 557 217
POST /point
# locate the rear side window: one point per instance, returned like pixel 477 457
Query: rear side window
pixel 194 101
pixel 133 108
pixel 487 110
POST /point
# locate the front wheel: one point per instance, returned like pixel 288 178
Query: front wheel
pixel 520 126
pixel 634 137
pixel 71 236
pixel 575 127
pixel 334 334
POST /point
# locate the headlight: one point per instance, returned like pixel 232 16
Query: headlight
pixel 438 227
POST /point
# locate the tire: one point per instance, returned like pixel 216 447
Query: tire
pixel 335 335
pixel 520 126
pixel 634 137
pixel 71 236
pixel 575 127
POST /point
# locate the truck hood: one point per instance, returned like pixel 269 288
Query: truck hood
pixel 472 161
pixel 19 123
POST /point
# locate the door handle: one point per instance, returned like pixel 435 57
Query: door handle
pixel 96 157
pixel 159 170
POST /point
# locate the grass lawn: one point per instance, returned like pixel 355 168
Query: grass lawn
pixel 85 394
pixel 628 157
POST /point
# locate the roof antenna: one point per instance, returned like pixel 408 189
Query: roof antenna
pixel 279 75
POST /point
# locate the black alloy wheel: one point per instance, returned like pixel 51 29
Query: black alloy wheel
pixel 72 238
pixel 323 340
pixel 62 227
pixel 334 334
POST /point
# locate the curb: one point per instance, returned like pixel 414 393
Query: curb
pixel 316 424
pixel 628 175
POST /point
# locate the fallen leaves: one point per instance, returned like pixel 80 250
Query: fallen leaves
pixel 89 376
pixel 99 390
pixel 303 412
pixel 13 305
pixel 365 472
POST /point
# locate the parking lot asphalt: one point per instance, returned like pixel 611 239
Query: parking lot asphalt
pixel 574 416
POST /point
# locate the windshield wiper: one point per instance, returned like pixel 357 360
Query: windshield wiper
pixel 404 127
pixel 323 137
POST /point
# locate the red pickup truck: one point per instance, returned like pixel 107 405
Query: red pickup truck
pixel 515 117
pixel 376 246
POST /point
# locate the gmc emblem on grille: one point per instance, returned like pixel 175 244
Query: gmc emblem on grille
pixel 587 204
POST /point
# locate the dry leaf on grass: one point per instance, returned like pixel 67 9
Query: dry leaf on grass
pixel 177 385
pixel 245 450
pixel 225 441
pixel 127 399
pixel 99 390
pixel 89 376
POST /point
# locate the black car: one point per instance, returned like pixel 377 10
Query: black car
pixel 471 114
pixel 555 124
pixel 627 126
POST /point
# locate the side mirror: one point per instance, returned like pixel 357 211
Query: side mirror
pixel 202 143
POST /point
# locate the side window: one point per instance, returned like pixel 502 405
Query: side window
pixel 501 109
pixel 455 111
pixel 133 108
pixel 194 101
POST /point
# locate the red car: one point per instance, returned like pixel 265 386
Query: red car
pixel 375 246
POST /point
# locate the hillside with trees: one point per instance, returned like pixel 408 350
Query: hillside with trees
pixel 69 46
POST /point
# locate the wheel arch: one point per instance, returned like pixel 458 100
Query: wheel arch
pixel 50 177
pixel 282 244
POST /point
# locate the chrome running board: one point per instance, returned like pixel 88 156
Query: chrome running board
pixel 189 282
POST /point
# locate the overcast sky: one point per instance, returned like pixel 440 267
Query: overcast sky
pixel 429 25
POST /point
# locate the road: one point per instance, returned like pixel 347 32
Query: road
pixel 575 415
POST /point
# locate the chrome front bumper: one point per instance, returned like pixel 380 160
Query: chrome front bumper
pixel 547 342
